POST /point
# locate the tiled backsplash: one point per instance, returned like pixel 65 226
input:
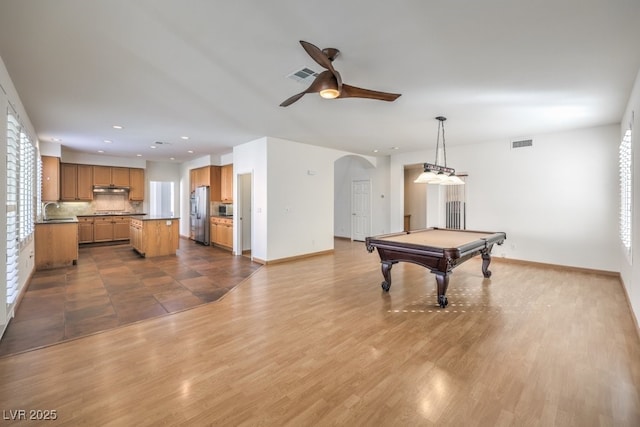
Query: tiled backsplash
pixel 101 202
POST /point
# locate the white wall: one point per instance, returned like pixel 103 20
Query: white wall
pixel 293 190
pixel 252 158
pixel 69 156
pixel 557 201
pixel 353 167
pixel 630 271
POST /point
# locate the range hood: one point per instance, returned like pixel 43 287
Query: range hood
pixel 105 189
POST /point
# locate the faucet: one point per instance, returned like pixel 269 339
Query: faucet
pixel 44 209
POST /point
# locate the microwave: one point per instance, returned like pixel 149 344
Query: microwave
pixel 225 210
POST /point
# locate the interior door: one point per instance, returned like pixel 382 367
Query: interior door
pixel 360 209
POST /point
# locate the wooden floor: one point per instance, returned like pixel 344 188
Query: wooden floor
pixel 112 286
pixel 317 342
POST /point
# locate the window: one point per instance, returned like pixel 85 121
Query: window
pixel 13 136
pixel 625 192
pixel 26 181
pixel 455 205
pixel 20 200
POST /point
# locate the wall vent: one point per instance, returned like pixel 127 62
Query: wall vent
pixel 304 75
pixel 522 143
pixel 161 143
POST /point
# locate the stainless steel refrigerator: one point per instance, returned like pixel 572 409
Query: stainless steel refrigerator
pixel 200 215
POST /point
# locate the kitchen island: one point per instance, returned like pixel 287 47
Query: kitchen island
pixel 154 235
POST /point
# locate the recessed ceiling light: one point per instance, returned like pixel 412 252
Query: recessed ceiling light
pixel 100 151
pixel 184 137
pixel 138 155
pixel 108 141
pixel 172 158
pixel 375 151
pixel 117 127
pixel 56 139
pixel 395 148
pixel 190 151
pixel 152 146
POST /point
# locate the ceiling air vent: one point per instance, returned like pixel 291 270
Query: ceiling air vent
pixel 522 143
pixel 303 75
pixel 161 143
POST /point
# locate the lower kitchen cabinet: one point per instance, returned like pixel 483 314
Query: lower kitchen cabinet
pixel 56 245
pixel 221 230
pixel 85 230
pixel 110 228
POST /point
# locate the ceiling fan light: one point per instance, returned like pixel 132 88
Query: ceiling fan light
pixel 329 93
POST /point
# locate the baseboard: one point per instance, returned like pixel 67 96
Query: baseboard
pixel 293 258
pixel 555 266
pixel 633 314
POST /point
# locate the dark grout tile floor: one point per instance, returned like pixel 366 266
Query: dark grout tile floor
pixel 113 286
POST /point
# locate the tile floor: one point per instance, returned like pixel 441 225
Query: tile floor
pixel 113 286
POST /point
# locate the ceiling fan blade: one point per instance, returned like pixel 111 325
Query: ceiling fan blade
pixel 323 81
pixel 292 99
pixel 356 92
pixel 317 55
pixel 322 59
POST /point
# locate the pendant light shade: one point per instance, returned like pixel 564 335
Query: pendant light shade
pixel 435 173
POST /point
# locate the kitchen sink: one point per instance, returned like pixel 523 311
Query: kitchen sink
pixel 59 219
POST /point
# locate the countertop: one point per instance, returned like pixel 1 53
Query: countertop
pixel 156 217
pixel 113 214
pixel 222 216
pixel 72 219
pixel 59 220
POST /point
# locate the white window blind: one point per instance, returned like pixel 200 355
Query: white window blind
pixel 13 135
pixel 625 191
pixel 27 178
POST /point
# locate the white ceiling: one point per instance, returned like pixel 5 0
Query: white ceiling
pixel 215 70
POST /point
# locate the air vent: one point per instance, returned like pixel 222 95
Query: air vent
pixel 304 75
pixel 522 143
pixel 161 143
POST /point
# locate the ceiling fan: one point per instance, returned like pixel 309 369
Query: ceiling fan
pixel 329 83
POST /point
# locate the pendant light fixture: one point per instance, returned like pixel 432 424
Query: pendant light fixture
pixel 435 173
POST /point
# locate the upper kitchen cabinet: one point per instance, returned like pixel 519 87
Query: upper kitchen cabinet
pixel 50 179
pixel 111 176
pixel 214 183
pixel 76 182
pixel 206 176
pixel 226 183
pixel 136 190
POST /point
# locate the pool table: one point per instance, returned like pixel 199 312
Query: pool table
pixel 440 250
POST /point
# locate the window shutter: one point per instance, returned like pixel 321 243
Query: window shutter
pixel 13 134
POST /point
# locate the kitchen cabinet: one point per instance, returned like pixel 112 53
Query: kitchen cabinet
pixel 76 182
pixel 110 228
pixel 56 245
pixel 154 237
pixel 50 188
pixel 136 179
pixel 111 176
pixel 85 230
pixel 192 180
pixel 214 183
pixel 221 231
pixel 206 176
pixel 226 183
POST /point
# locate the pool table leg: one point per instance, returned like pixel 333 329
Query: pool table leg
pixel 386 273
pixel 442 279
pixel 486 260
